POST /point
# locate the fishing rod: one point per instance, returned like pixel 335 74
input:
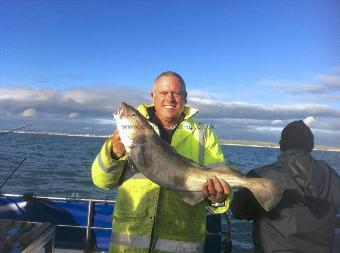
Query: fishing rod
pixel 15 129
pixel 13 171
pixel 22 161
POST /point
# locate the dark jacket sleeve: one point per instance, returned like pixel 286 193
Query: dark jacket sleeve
pixel 335 191
pixel 244 205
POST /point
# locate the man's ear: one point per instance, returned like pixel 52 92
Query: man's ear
pixel 185 97
pixel 151 94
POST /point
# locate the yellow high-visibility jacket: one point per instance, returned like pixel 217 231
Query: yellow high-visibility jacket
pixel 148 216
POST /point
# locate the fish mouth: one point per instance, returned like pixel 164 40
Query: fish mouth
pixel 121 111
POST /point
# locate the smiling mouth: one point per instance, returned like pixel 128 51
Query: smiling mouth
pixel 169 106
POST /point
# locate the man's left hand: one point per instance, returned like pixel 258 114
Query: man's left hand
pixel 216 189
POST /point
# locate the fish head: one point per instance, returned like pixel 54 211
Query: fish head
pixel 132 126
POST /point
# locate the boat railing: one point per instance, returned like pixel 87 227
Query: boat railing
pixel 88 221
pixel 94 240
pixel 86 224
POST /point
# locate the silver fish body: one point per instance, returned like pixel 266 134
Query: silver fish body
pixel 160 163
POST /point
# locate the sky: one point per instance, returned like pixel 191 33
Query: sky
pixel 250 67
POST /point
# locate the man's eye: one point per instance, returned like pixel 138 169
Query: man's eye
pixel 133 115
pixel 178 93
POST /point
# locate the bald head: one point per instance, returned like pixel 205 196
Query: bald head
pixel 170 74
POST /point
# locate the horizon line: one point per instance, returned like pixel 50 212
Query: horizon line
pixel 222 141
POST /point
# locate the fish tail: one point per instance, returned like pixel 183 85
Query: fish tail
pixel 267 192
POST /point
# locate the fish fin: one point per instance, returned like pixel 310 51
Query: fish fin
pixel 192 198
pixel 266 191
pixel 137 155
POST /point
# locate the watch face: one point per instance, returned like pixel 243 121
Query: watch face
pixel 217 204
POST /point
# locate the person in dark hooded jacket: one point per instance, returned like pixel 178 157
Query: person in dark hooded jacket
pixel 305 218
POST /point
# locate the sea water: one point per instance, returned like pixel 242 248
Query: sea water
pixel 59 166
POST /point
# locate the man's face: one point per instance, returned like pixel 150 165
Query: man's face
pixel 169 98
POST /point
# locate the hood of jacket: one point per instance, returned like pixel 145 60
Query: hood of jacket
pixel 308 173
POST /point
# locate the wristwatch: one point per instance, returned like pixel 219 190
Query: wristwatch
pixel 217 204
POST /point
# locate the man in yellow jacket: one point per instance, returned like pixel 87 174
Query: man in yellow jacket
pixel 148 218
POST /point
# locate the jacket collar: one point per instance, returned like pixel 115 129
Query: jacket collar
pixel 291 154
pixel 185 126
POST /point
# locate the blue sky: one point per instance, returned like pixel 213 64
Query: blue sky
pixel 250 66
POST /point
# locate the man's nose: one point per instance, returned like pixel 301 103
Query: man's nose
pixel 170 97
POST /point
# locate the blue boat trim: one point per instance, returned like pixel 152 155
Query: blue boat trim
pixel 83 224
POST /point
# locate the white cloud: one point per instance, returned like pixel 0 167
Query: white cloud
pixel 100 102
pixel 88 102
pixel 294 88
pixel 329 80
pixel 29 112
pixel 323 83
pixel 92 107
pixel 221 109
pixel 73 115
pixel 201 94
pixel 309 120
pixel 25 94
pixel 276 122
pixel 334 97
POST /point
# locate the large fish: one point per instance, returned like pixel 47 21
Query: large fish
pixel 160 163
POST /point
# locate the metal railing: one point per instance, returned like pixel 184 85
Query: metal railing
pixel 90 212
pixel 89 227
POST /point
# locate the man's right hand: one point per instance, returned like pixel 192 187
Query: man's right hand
pixel 118 149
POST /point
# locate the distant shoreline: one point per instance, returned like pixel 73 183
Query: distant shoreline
pixel 259 144
pixel 242 143
pixel 60 134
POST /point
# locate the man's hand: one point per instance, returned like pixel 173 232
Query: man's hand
pixel 216 189
pixel 118 149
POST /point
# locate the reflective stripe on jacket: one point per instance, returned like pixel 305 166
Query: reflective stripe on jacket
pixel 148 216
pixel 164 245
